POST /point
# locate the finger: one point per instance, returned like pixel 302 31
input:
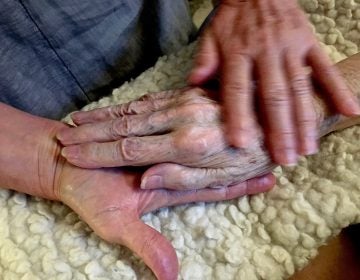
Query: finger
pixel 133 151
pixel 305 115
pixel 250 187
pixel 206 60
pixel 179 177
pixel 332 81
pixel 126 126
pixel 152 247
pixel 117 111
pixel 238 99
pixel 277 108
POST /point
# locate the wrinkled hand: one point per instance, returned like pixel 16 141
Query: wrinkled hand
pixel 269 41
pixel 111 203
pixel 180 129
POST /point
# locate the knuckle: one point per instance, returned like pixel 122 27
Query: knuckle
pixel 300 86
pixel 307 124
pixel 129 149
pixel 191 142
pixel 236 48
pixel 120 110
pixel 276 96
pixel 237 89
pixel 123 109
pixel 120 127
pixel 148 96
pixel 197 113
pixel 129 108
pixel 154 104
pixel 200 147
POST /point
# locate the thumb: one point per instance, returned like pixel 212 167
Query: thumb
pixel 153 248
pixel 178 177
pixel 206 60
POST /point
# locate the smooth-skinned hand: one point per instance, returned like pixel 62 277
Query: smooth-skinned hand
pixel 260 50
pixel 111 202
pixel 180 131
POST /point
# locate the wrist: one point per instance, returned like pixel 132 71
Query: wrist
pixel 29 153
pixel 51 164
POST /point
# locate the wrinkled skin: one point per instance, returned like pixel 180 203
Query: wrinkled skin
pixel 180 129
pixel 111 203
pixel 108 200
pixel 270 42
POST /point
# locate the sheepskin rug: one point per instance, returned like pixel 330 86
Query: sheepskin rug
pixel 267 236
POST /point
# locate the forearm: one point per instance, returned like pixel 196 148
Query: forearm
pixel 28 152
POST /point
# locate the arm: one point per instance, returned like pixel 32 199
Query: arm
pixel 28 152
pixel 110 201
pixel 182 131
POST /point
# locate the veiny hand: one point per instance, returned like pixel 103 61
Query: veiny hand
pixel 180 129
pixel 111 203
pixel 270 42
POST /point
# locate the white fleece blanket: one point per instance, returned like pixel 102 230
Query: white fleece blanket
pixel 268 236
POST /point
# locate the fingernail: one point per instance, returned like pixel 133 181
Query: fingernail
pixel 354 107
pixel 266 181
pixel 288 158
pixel 310 148
pixel 75 115
pixel 241 140
pixel 152 182
pixel 71 152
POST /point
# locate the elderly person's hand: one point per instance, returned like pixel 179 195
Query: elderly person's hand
pixel 269 42
pixel 180 129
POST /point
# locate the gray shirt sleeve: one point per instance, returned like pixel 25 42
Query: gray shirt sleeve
pixel 57 55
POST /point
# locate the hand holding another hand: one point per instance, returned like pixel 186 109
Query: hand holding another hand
pixel 180 129
pixel 111 203
pixel 269 42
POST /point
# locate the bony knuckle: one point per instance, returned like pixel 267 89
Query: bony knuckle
pixel 191 142
pixel 199 113
pixel 120 127
pixel 130 149
pixel 113 130
pixel 129 108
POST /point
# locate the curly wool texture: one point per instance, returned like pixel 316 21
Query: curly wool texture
pixel 267 236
